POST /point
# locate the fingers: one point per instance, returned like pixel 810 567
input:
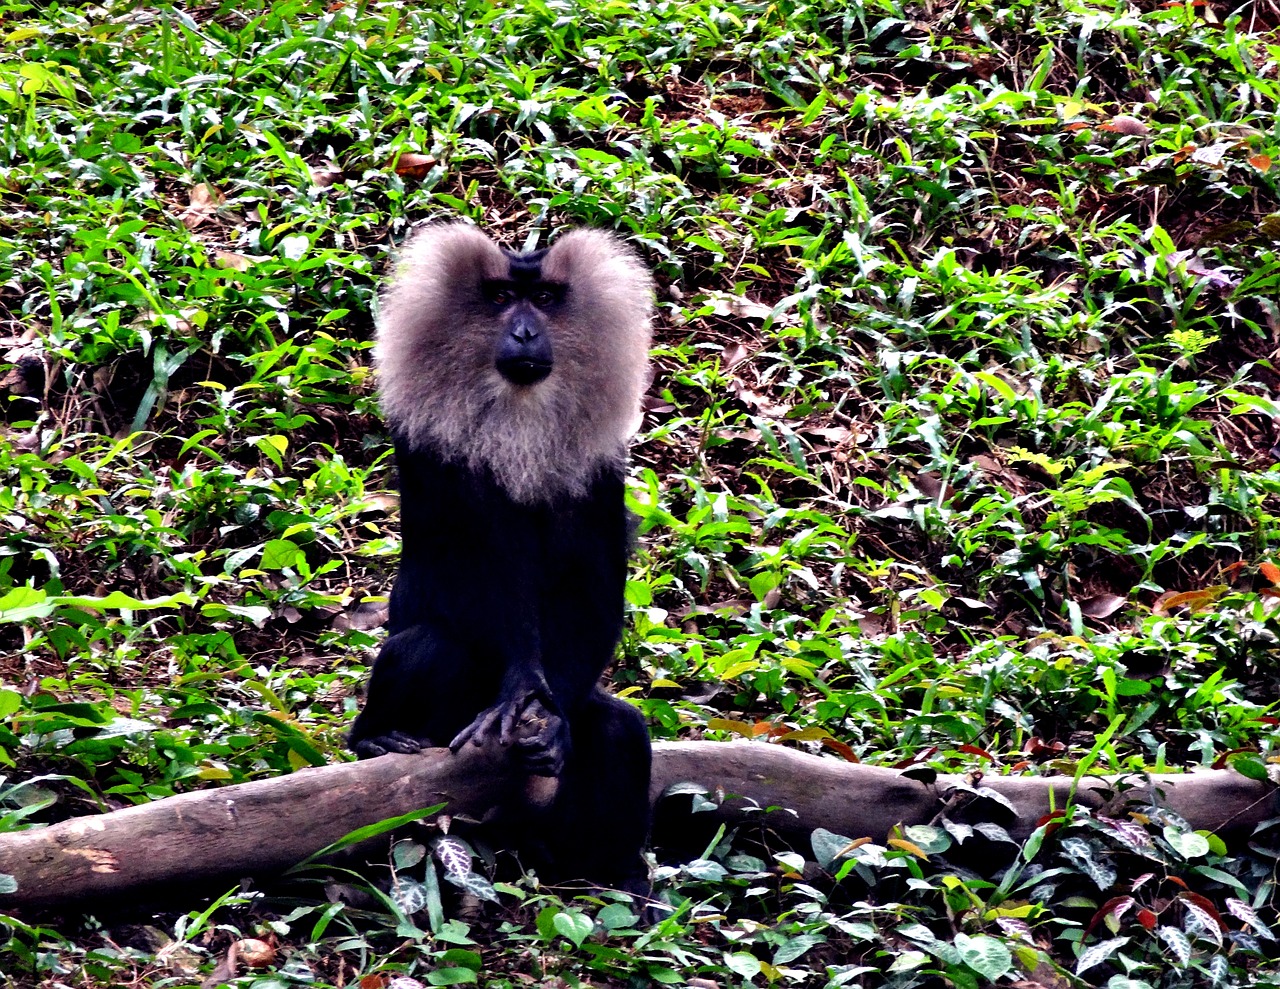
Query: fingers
pixel 541 757
pixel 505 717
pixel 392 741
pixel 510 717
pixel 477 730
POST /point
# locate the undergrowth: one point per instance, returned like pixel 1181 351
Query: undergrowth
pixel 960 452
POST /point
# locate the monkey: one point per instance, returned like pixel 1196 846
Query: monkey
pixel 511 384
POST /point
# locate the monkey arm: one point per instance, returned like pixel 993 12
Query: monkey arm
pixel 526 714
pixel 529 596
pixel 583 619
pixel 562 610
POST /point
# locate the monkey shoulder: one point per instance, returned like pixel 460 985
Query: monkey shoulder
pixel 431 483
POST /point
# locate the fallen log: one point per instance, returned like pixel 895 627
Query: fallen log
pixel 266 826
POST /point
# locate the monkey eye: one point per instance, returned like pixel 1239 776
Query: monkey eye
pixel 542 298
pixel 500 296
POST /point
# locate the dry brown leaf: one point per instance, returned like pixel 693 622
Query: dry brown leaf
pixel 223 972
pixel 384 503
pixel 733 354
pixel 204 202
pixel 846 752
pixel 322 178
pixel 364 616
pixel 932 486
pixel 873 625
pixel 757 401
pixel 255 953
pixel 1123 123
pixel 738 435
pixel 738 306
pixel 1191 600
pixel 1103 605
pixel 414 166
pixel 1217 277
pixel 834 435
pixel 232 260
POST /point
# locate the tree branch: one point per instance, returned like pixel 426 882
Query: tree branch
pixel 269 825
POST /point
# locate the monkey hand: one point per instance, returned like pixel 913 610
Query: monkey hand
pixel 392 741
pixel 542 740
pixel 540 736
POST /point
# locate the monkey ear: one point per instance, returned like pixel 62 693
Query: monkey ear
pixel 602 272
pixel 439 268
pixel 420 320
pixel 610 305
pixel 442 252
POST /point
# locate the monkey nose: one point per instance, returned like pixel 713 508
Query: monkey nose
pixel 524 355
pixel 524 328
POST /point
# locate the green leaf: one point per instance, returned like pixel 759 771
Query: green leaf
pixel 409 896
pixel 573 925
pixel 762 583
pixel 795 947
pixel 1249 766
pixel 1098 953
pixel 828 846
pixel 742 963
pixel 454 855
pixel 126 602
pixel 451 976
pixel 987 956
pixel 931 839
pixel 997 384
pixel 24 603
pixel 279 553
pixel 477 885
pixel 1188 844
pixel 369 831
pixel 406 854
pixel 545 922
pixel 1177 942
pixel 815 108
pixel 617 916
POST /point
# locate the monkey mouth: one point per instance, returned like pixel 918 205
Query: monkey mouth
pixel 523 370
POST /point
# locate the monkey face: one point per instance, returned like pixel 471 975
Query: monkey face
pixel 529 366
pixel 522 307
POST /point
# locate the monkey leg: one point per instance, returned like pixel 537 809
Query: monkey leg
pixel 599 824
pixel 424 689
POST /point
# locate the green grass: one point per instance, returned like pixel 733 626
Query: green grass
pixel 963 362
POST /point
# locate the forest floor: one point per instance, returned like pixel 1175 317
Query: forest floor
pixel 960 457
